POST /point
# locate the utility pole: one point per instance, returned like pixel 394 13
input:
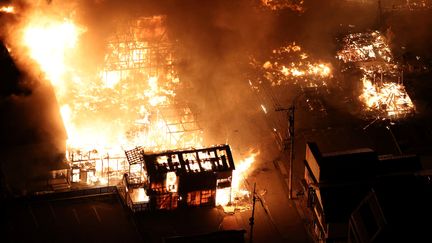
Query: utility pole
pixel 108 168
pixel 380 14
pixel 394 139
pixel 252 218
pixel 290 113
pixel 291 134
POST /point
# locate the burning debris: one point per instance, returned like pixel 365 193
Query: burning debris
pixel 412 5
pixel 289 64
pixel 294 5
pixel 362 47
pixel 388 96
pixel 383 90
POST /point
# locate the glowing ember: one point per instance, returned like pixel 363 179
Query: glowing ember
pixel 412 5
pixel 7 9
pixel 294 5
pixel 264 109
pixel 289 64
pixel 237 197
pixel 367 46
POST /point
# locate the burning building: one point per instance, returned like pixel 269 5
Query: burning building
pixel 129 97
pixel 383 91
pixel 138 80
pixel 290 64
pixel 176 178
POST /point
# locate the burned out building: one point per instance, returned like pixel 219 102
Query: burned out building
pixel 176 178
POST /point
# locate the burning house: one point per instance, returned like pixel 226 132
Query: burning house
pixel 126 97
pixel 139 80
pixel 383 91
pixel 176 178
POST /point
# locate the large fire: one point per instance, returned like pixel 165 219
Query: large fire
pixel 49 48
pixel 128 101
pixel 383 92
pixel 120 106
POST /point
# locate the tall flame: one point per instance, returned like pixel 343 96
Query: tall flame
pixel 50 42
pixel 231 198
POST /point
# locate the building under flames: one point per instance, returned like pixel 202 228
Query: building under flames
pixel 139 81
pixel 383 92
pixel 176 178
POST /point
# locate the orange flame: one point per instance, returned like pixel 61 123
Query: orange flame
pixel 230 197
pixel 50 43
pixel 390 96
pixel 288 64
pixel 371 53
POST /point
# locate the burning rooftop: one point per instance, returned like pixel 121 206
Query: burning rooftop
pixel 383 91
pixel 178 178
